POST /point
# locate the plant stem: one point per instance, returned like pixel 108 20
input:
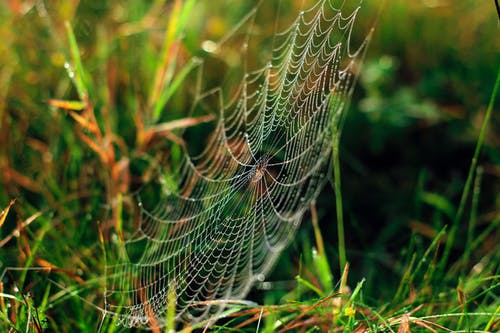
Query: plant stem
pixel 338 201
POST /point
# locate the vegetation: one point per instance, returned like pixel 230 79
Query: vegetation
pixel 94 96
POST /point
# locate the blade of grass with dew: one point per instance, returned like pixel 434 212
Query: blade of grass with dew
pixel 468 183
pixel 76 72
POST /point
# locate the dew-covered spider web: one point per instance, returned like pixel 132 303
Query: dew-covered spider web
pixel 232 208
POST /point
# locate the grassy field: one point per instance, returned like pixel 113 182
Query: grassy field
pixel 94 97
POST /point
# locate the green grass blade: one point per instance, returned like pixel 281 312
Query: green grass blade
pixel 167 63
pixel 468 183
pixel 76 72
pixel 472 220
pixel 338 201
pixel 172 88
pixel 310 286
pixel 439 202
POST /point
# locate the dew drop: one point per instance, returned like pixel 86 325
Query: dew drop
pixel 209 46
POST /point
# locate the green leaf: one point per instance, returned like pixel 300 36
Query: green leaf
pixel 76 72
pixel 439 202
pixel 170 89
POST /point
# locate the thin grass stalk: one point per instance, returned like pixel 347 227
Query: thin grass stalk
pixel 468 183
pixel 338 201
pixel 472 220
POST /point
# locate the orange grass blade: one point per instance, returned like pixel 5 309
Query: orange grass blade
pixel 181 123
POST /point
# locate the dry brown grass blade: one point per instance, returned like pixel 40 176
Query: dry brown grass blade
pixel 120 175
pixel 90 126
pixel 307 323
pixel 95 147
pixel 20 179
pixel 181 123
pixel 423 229
pixel 153 322
pixel 258 314
pixel 4 212
pixel 49 267
pixel 2 301
pixel 146 136
pixel 404 326
pixel 428 324
pixel 305 312
pixel 16 232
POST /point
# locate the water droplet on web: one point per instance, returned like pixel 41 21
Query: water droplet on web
pixel 261 277
pixel 67 65
pixel 266 286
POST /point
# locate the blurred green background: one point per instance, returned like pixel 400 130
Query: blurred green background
pixel 406 148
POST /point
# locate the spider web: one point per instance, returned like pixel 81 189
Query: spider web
pixel 238 203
